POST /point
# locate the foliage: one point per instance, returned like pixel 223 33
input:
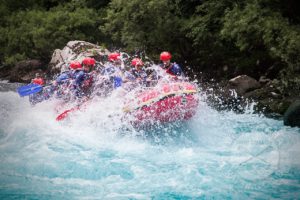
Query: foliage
pixel 254 26
pixel 150 25
pixel 203 28
pixel 223 37
pixel 12 59
pixel 36 33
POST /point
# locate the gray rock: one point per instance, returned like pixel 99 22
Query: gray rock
pixel 263 80
pixel 75 51
pixel 275 95
pixel 243 83
pixel 292 115
pixel 56 58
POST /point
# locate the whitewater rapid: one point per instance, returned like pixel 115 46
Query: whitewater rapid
pixel 96 154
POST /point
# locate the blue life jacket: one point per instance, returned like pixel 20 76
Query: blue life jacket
pixel 63 77
pixel 114 74
pixel 174 69
pixel 82 84
pixel 79 77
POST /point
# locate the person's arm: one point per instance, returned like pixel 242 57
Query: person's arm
pixel 62 77
pixel 176 69
pixel 79 78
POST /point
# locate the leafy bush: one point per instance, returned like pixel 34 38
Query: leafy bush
pixel 150 25
pixel 222 37
pixel 36 33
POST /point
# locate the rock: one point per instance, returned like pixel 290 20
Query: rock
pixel 275 95
pixel 263 80
pixel 5 72
pixel 56 57
pixel 242 84
pixel 267 91
pixel 270 106
pixel 292 115
pixel 75 51
pixel 67 54
pixel 78 46
pixel 25 70
pixel 269 99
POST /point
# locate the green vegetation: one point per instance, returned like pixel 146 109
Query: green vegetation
pixel 222 37
pixel 35 31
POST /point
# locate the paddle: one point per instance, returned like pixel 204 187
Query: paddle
pixel 117 81
pixel 64 114
pixel 29 89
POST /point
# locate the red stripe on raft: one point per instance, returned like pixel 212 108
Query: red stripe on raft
pixel 169 109
pixel 169 103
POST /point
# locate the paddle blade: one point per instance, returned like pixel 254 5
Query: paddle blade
pixel 29 89
pixel 63 115
pixel 66 113
pixel 117 81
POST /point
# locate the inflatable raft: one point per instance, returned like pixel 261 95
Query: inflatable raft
pixel 168 102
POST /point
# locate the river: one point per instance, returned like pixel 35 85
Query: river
pixel 98 155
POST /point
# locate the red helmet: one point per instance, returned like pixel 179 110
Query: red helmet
pixel 165 56
pixel 38 81
pixel 114 56
pixel 75 65
pixel 88 61
pixel 137 62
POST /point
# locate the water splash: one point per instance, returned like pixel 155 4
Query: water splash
pixel 97 155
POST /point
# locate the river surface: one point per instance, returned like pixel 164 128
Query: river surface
pixel 97 155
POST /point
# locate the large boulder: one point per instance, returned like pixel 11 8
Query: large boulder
pixel 56 58
pixel 243 83
pixel 292 115
pixel 267 96
pixel 76 51
pixel 270 98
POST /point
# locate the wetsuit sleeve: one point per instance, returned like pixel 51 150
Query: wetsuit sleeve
pixel 62 77
pixel 79 78
pixel 176 69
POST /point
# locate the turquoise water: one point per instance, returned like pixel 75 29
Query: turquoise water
pixel 97 155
